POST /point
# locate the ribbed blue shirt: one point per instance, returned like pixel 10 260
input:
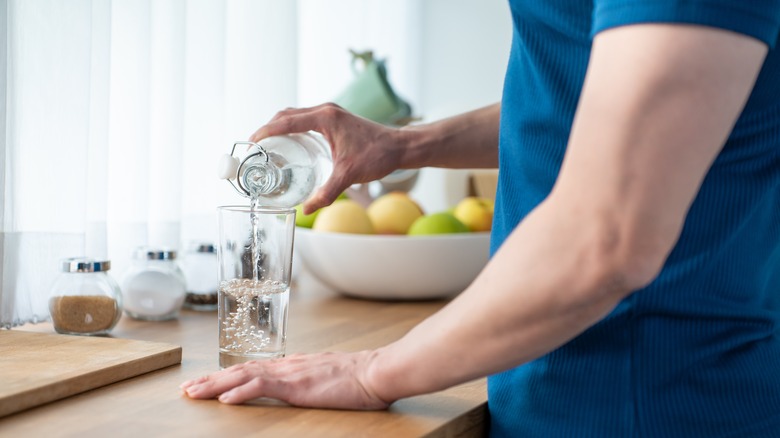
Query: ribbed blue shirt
pixel 697 352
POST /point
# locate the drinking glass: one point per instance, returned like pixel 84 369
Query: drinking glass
pixel 255 259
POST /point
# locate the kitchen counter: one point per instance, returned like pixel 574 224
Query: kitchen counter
pixel 320 320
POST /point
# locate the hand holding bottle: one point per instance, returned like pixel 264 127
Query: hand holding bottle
pixel 362 151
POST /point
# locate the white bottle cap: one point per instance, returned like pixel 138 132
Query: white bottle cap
pixel 228 167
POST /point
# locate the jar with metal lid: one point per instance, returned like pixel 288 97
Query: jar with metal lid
pixel 201 268
pixel 84 299
pixel 154 286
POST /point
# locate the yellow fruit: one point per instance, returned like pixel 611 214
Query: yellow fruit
pixel 343 216
pixel 437 223
pixel 476 213
pixel 393 213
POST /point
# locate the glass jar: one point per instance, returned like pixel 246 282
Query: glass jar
pixel 84 299
pixel 154 286
pixel 200 272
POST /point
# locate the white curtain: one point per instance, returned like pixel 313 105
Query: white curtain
pixel 114 112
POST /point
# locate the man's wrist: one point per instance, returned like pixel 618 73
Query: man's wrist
pixel 381 380
pixel 416 151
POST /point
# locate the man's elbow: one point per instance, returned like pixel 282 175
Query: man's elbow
pixel 625 259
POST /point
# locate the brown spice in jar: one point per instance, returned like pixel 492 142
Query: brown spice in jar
pixel 86 314
pixel 204 299
pixel 204 302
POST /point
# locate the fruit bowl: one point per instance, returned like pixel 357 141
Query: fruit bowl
pixel 391 267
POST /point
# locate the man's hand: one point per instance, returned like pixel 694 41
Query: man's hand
pixel 324 380
pixel 363 151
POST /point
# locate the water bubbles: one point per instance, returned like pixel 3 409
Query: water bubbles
pixel 251 306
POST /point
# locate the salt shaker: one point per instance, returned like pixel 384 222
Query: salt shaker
pixel 154 286
pixel 84 299
pixel 200 268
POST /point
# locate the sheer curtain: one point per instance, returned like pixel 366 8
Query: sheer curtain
pixel 113 114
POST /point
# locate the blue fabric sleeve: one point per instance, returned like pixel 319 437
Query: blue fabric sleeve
pixel 756 18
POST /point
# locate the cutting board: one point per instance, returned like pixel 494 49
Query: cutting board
pixel 37 368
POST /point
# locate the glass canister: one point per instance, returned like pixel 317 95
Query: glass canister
pixel 201 268
pixel 153 287
pixel 84 299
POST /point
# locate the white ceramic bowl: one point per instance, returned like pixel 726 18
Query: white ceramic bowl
pixel 393 267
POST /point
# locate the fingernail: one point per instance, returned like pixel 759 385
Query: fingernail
pixel 225 397
pixel 193 388
pixel 185 384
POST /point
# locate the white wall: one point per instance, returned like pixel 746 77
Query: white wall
pixel 465 47
pixel 444 56
pixel 465 51
pixel 391 30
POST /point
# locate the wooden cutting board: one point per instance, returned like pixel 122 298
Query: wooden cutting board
pixel 37 368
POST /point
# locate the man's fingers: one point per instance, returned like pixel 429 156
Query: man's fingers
pixel 219 382
pixel 326 194
pixel 293 120
pixel 193 382
pixel 257 387
pixel 285 125
pixel 326 380
pixel 239 375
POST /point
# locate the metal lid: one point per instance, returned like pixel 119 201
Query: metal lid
pixel 204 247
pixel 146 253
pixel 83 264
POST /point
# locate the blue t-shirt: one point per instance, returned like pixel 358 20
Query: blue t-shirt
pixel 697 352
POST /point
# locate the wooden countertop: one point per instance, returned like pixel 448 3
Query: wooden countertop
pixel 320 320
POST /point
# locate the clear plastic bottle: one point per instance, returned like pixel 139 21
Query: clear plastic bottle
pixel 279 171
pixel 85 300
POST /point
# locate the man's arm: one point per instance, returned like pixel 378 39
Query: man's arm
pixel 465 141
pixel 657 106
pixel 364 151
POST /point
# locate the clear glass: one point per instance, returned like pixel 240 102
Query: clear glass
pixel 288 172
pixel 154 290
pixel 85 303
pixel 255 259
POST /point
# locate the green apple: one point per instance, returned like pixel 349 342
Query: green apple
pixel 305 220
pixel 437 223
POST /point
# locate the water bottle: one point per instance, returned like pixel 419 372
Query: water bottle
pixel 280 171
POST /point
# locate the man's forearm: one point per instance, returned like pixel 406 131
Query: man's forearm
pixel 648 127
pixel 468 140
pixel 542 288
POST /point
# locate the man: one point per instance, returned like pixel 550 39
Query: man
pixel 634 286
